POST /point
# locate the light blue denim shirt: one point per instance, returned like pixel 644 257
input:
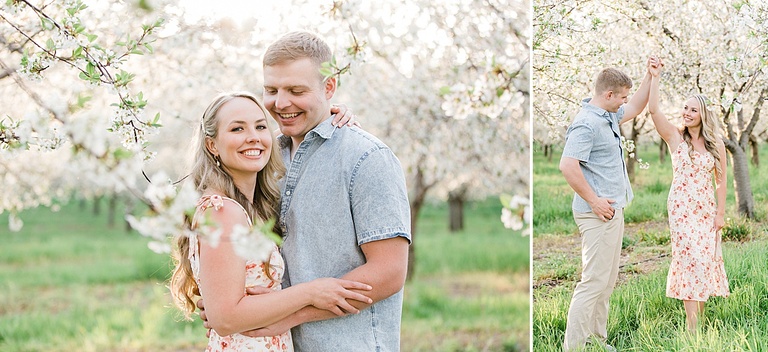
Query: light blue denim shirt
pixel 595 140
pixel 343 188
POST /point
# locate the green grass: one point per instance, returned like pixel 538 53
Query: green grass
pixel 68 282
pixel 552 196
pixel 642 318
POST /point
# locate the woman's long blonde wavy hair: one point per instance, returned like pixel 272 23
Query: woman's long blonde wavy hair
pixel 206 175
pixel 710 130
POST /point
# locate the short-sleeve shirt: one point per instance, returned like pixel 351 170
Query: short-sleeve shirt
pixel 343 188
pixel 594 139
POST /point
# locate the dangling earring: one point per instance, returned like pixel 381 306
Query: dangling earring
pixel 218 163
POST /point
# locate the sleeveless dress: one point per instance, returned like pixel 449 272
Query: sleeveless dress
pixel 696 271
pixel 254 276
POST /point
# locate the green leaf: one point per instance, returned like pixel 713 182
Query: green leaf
pixel 506 199
pixel 49 44
pixel 46 23
pixel 149 48
pixel 326 72
pixel 445 90
pixel 91 37
pixel 82 99
pixel 122 153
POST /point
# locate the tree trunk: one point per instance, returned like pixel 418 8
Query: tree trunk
pixel 548 151
pixel 741 184
pixel 83 203
pixel 663 149
pixel 416 202
pixel 630 162
pixel 111 211
pixel 755 153
pixel 97 205
pixel 456 206
pixel 128 211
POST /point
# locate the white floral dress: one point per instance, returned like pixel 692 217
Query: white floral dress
pixel 254 276
pixel 697 270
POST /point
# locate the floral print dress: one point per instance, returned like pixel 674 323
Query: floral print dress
pixel 254 276
pixel 697 270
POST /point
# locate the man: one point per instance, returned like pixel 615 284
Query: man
pixel 593 165
pixel 344 208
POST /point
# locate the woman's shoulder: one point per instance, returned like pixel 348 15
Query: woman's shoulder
pixel 222 208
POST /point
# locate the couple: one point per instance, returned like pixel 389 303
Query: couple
pixel 593 165
pixel 341 207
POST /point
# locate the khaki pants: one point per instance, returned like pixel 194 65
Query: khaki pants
pixel 600 254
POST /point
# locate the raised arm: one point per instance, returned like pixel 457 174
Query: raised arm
pixel 222 284
pixel 639 100
pixel 666 129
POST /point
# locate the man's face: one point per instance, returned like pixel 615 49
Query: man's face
pixel 617 98
pixel 297 97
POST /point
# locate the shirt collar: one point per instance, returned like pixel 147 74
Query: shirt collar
pixel 594 108
pixel 324 129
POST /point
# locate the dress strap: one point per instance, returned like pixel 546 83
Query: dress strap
pixel 215 201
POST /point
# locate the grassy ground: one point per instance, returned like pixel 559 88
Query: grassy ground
pixel 641 317
pixel 68 282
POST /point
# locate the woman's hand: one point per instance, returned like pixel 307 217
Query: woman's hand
pixel 344 116
pixel 719 222
pixel 654 65
pixel 331 294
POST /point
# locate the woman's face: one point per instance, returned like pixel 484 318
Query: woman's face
pixel 243 142
pixel 692 113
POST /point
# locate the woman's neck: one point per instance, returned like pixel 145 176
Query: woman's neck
pixel 695 133
pixel 246 187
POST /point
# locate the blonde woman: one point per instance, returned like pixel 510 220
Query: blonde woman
pixel 696 209
pixel 238 178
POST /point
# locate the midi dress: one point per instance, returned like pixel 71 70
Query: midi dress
pixel 255 275
pixel 696 271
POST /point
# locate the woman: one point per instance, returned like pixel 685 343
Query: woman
pixel 696 210
pixel 237 176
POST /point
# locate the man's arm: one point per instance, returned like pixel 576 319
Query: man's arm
pixel 639 100
pixel 575 178
pixel 385 270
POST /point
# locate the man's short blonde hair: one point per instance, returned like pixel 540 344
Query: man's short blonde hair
pixel 611 79
pixel 298 45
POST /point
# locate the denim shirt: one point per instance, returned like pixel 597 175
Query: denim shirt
pixel 595 140
pixel 343 188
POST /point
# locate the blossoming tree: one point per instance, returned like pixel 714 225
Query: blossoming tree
pixel 103 108
pixel 718 51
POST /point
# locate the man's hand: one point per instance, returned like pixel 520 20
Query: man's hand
pixel 654 65
pixel 602 208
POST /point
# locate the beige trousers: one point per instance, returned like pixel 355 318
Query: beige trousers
pixel 600 254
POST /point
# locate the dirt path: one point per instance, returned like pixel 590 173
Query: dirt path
pixel 557 258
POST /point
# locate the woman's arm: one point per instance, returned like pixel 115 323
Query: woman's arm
pixel 639 100
pixel 666 129
pixel 222 284
pixel 721 189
